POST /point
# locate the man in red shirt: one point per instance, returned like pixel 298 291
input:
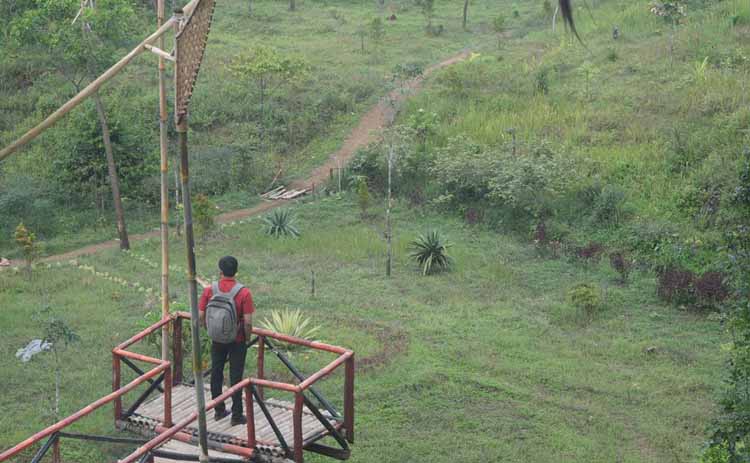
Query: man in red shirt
pixel 235 351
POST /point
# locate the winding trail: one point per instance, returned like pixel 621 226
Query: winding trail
pixel 366 132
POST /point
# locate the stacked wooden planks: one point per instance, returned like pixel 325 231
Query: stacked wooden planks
pixel 282 193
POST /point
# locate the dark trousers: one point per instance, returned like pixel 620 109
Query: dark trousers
pixel 236 353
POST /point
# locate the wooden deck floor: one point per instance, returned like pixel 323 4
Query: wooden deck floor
pixel 187 449
pixel 183 404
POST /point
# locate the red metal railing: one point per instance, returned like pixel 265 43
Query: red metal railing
pixel 173 375
pixel 161 366
pixel 345 356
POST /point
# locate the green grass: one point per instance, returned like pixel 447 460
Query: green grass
pixel 494 364
pixel 664 129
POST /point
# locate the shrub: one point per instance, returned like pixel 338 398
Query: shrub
pixel 280 223
pixel 430 252
pixel 542 81
pixel 609 206
pixel 592 252
pixel 675 285
pixel 586 298
pixel 621 264
pixel 26 241
pixel 204 211
pixel 363 195
pixel 710 289
pixel 291 323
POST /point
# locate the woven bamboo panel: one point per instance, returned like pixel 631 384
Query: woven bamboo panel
pixel 189 48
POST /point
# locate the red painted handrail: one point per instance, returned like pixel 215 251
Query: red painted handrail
pixel 169 431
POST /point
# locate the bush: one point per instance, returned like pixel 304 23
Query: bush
pixel 26 241
pixel 586 298
pixel 609 207
pixel 621 264
pixel 431 252
pixel 363 196
pixel 710 289
pixel 204 211
pixel 280 223
pixel 592 252
pixel 675 285
pixel 542 81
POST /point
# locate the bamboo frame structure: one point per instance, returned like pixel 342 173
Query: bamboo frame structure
pixel 163 188
pixel 91 88
pixel 185 75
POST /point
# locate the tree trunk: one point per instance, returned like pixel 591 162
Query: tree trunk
pixel 388 233
pixel 114 181
pixel 292 6
pixel 466 12
pixel 249 6
pixel 554 17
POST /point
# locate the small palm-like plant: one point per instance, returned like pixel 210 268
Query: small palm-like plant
pixel 291 323
pixel 431 252
pixel 280 223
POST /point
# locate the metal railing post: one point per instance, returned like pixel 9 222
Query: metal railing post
pixel 177 350
pixel 297 424
pixel 261 362
pixel 349 399
pixel 250 416
pixel 56 450
pixel 116 380
pixel 168 396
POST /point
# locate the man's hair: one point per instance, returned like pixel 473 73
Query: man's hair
pixel 228 266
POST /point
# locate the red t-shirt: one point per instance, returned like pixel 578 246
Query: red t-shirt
pixel 243 301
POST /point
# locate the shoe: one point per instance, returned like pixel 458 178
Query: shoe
pixel 238 420
pixel 219 415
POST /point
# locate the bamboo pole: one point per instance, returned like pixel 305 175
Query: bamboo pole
pixel 182 127
pixel 164 190
pixel 187 211
pixel 93 86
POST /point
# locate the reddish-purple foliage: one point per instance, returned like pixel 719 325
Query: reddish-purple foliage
pixel 710 288
pixel 473 216
pixel 591 252
pixel 621 264
pixel 676 285
pixel 540 234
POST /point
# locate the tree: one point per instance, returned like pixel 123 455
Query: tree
pixel 79 42
pixel 57 335
pixel 466 12
pixel 428 10
pixel 377 31
pixel 267 69
pixel 26 241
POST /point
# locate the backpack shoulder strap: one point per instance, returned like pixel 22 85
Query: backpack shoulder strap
pixel 215 288
pixel 235 290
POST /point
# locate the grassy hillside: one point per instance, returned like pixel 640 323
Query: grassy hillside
pixel 651 140
pixel 490 360
pixel 305 121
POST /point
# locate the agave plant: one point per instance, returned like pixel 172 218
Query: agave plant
pixel 280 223
pixel 431 252
pixel 291 323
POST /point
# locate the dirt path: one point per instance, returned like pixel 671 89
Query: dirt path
pixel 365 133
